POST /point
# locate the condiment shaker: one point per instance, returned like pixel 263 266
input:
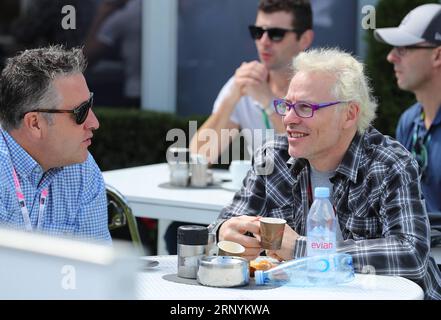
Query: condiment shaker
pixel 192 241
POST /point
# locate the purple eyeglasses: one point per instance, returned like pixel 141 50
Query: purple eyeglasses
pixel 301 108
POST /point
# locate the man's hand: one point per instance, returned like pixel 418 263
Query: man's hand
pixel 286 252
pixel 234 229
pixel 251 79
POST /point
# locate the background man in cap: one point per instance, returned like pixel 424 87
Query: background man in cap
pixel 283 28
pixel 416 56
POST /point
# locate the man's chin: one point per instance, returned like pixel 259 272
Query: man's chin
pixel 295 152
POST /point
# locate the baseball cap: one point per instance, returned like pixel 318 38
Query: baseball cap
pixel 421 24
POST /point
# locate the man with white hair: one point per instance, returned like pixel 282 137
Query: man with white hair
pixel 416 56
pixel 381 218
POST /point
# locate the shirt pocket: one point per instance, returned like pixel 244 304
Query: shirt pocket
pixel 362 228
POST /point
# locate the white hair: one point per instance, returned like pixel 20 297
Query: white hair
pixel 351 83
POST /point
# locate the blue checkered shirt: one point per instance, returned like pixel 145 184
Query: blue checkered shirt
pixel 76 205
pixel 376 194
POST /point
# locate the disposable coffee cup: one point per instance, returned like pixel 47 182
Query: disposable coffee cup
pixel 238 172
pixel 229 248
pixel 271 233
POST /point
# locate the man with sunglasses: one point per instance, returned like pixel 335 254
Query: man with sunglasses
pixel 283 28
pixel 49 182
pixel 416 56
pixel 381 219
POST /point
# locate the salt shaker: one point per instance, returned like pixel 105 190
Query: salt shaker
pixel 178 163
pixel 199 167
pixel 192 241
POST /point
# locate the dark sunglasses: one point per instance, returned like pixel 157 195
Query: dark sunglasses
pixel 275 34
pixel 80 113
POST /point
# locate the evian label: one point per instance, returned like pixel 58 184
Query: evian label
pixel 321 245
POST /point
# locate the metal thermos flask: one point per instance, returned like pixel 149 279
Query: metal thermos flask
pixel 192 241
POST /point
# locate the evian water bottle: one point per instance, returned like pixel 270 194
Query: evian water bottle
pixel 320 233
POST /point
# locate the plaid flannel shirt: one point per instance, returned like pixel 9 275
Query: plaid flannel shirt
pixel 377 199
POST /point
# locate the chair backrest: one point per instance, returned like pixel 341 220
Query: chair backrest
pixel 120 214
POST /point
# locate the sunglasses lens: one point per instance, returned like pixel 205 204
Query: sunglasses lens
pixel 83 111
pixel 256 32
pixel 276 34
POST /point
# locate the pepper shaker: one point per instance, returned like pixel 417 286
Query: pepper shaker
pixel 192 241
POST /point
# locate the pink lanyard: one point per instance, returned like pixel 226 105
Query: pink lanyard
pixel 22 204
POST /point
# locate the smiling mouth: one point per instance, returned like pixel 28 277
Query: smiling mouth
pixel 297 135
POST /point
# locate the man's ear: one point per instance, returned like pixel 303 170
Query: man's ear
pixel 351 115
pixel 306 39
pixel 436 57
pixel 32 123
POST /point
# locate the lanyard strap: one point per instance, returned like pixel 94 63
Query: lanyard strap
pixel 266 120
pixel 22 203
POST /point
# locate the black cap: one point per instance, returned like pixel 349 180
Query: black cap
pixel 192 235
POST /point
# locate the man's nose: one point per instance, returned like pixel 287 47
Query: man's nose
pixel 392 56
pixel 265 39
pixel 291 117
pixel 92 122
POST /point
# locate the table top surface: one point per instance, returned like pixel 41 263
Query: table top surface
pixel 150 184
pixel 151 284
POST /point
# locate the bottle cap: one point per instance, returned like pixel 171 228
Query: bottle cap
pixel 321 192
pixel 193 235
pixel 259 277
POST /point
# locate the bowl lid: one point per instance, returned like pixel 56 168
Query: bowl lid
pixel 223 262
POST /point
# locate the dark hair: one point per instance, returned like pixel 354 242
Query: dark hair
pixel 26 82
pixel 300 9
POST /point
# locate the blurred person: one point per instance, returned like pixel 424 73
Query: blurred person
pixel 118 23
pixel 49 181
pixel 283 28
pixel 381 219
pixel 416 56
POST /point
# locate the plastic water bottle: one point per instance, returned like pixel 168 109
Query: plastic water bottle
pixel 320 235
pixel 321 225
pixel 309 271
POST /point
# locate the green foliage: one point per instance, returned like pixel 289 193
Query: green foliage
pixel 392 101
pixel 131 137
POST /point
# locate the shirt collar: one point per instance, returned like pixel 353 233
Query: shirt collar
pixel 351 160
pixel 419 121
pixel 348 166
pixel 437 120
pixel 22 161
